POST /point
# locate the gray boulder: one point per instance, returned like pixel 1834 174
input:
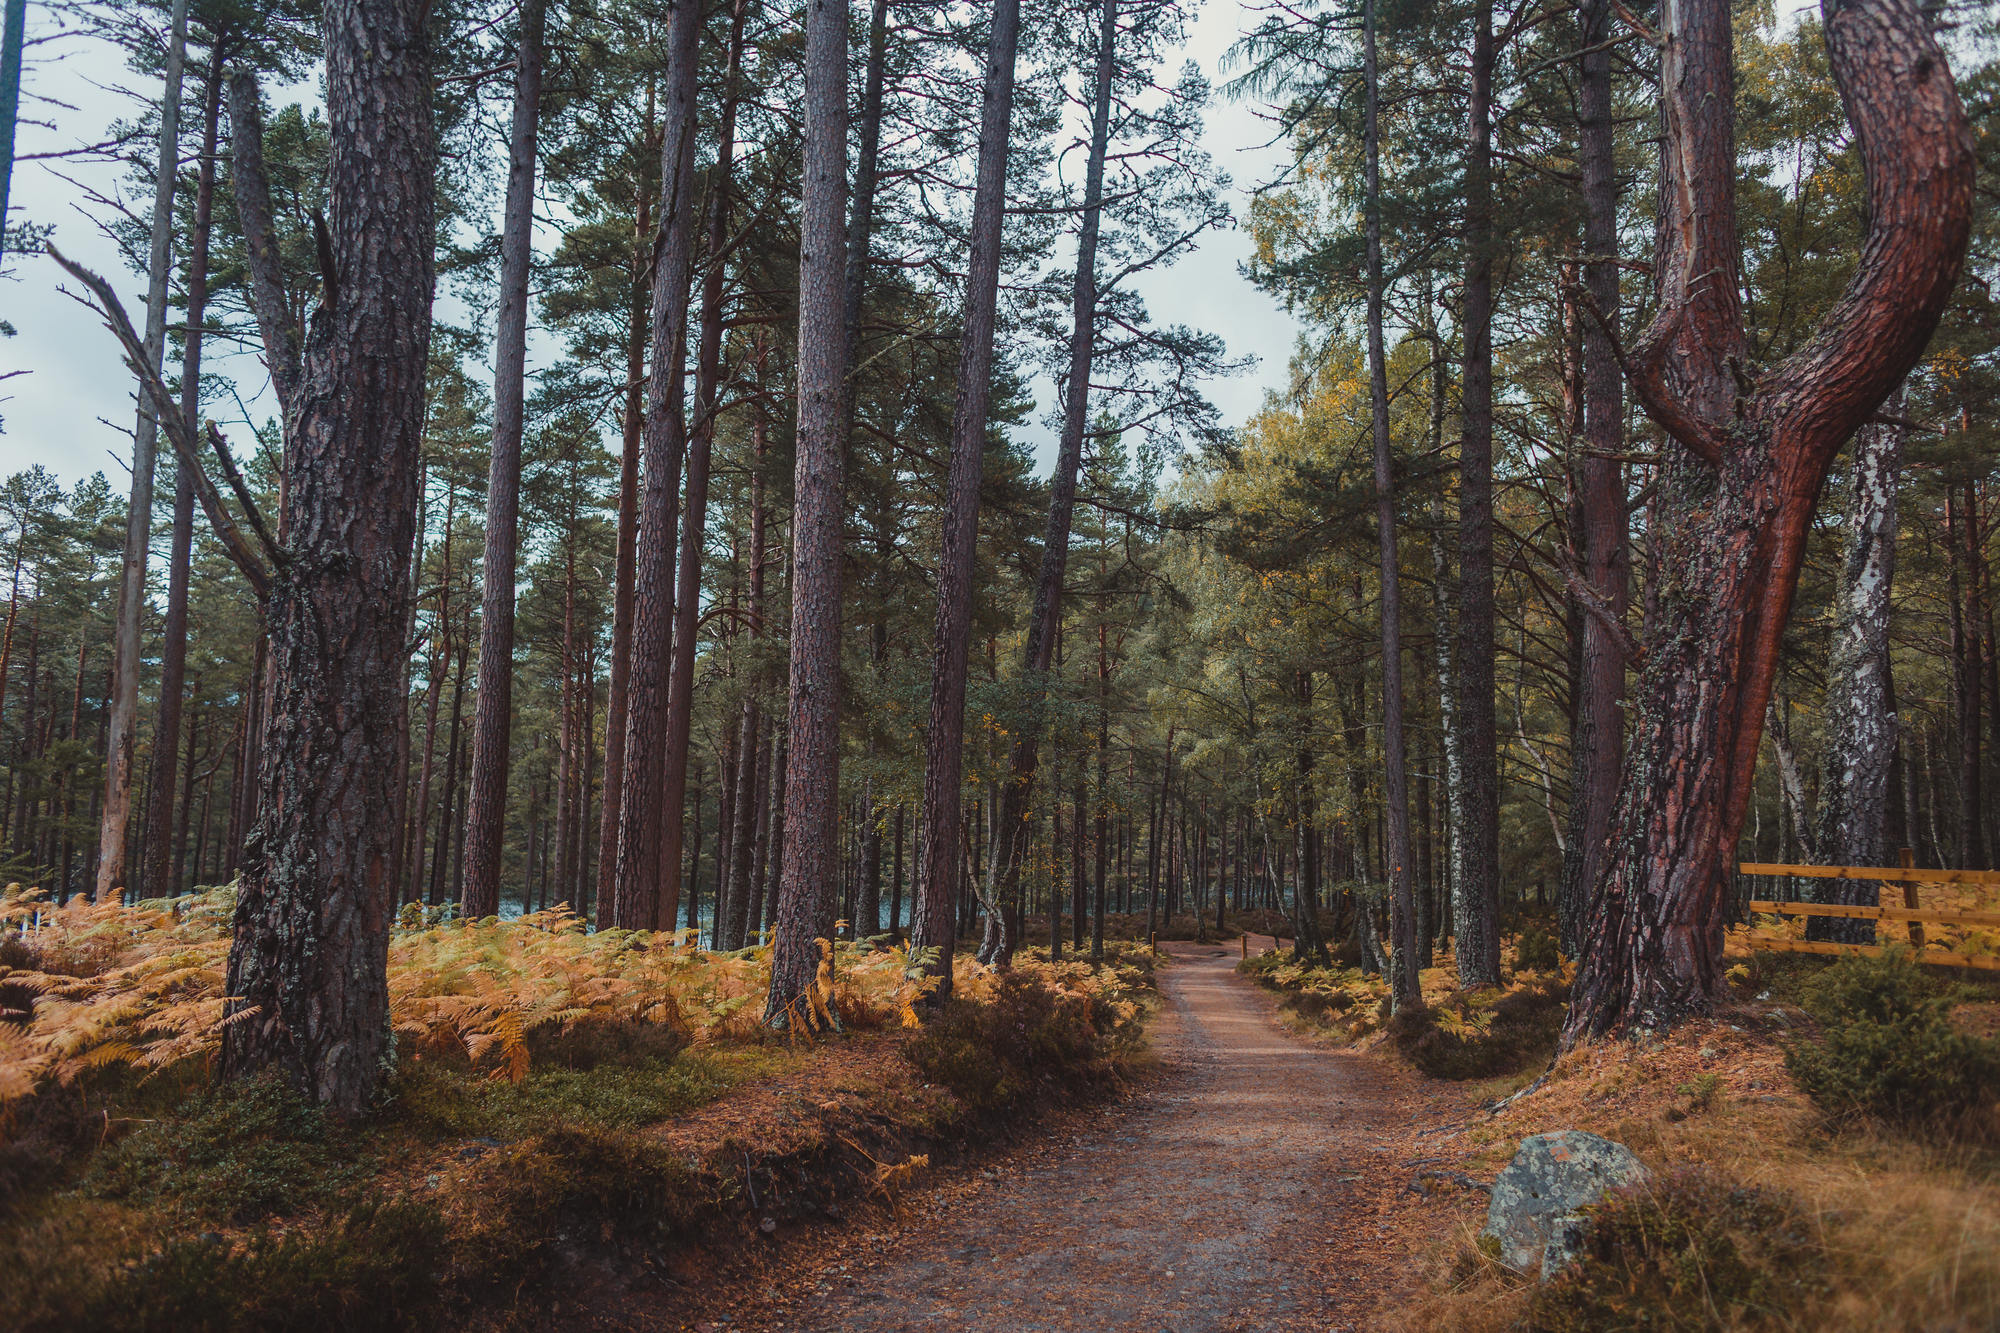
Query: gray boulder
pixel 1535 1212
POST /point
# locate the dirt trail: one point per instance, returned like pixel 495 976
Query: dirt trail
pixel 1248 1187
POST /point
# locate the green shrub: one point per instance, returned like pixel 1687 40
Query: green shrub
pixel 1887 1047
pixel 989 1053
pixel 1480 1035
pixel 1537 951
pixel 234 1154
pixel 1687 1251
pixel 1704 1093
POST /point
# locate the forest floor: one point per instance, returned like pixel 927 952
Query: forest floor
pixel 1259 1180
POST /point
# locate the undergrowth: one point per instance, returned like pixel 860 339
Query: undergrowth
pixel 1887 1049
pixel 524 1131
pixel 1691 1250
pixel 1455 1034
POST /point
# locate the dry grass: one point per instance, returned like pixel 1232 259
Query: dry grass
pixel 1909 1224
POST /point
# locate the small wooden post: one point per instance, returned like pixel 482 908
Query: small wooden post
pixel 1908 859
pixel 1153 940
pixel 1244 940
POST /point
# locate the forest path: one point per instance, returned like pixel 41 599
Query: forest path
pixel 1246 1187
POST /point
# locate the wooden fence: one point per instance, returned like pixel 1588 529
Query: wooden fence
pixel 1910 913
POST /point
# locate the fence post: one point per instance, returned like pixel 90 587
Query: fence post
pixel 1908 859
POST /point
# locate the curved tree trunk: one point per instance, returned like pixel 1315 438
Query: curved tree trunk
pixel 1746 462
pixel 310 952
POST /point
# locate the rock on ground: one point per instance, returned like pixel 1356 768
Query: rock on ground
pixel 1535 1213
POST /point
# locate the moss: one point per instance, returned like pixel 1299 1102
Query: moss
pixel 438 1101
pixel 95 1267
pixel 235 1154
pixel 1689 1251
pixel 376 1269
pixel 514 1211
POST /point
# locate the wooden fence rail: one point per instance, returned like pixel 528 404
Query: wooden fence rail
pixel 1909 877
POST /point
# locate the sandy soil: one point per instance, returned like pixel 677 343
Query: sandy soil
pixel 1259 1182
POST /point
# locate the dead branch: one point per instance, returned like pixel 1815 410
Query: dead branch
pixel 167 413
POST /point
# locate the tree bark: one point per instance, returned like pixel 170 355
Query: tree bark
pixel 636 874
pixel 617 689
pixel 1476 925
pixel 493 717
pixel 939 831
pixel 810 867
pixel 276 326
pixel 753 769
pixel 1597 737
pixel 1861 725
pixel 153 878
pixel 1045 619
pixel 121 738
pixel 694 520
pixel 1961 540
pixel 1404 988
pixel 1746 461
pixel 310 953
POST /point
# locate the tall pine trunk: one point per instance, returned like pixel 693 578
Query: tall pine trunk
pixel 632 424
pixel 810 866
pixel 694 520
pixel 310 952
pixel 493 718
pixel 1597 737
pixel 1861 726
pixel 636 871
pixel 121 737
pixel 1405 990
pixel 939 830
pixel 153 875
pixel 1476 914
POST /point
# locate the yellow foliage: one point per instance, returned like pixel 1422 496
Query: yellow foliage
pixel 143 985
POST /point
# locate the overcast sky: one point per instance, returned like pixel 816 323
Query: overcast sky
pixel 71 411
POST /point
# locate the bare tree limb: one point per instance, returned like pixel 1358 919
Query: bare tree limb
pixel 167 412
pixel 243 497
